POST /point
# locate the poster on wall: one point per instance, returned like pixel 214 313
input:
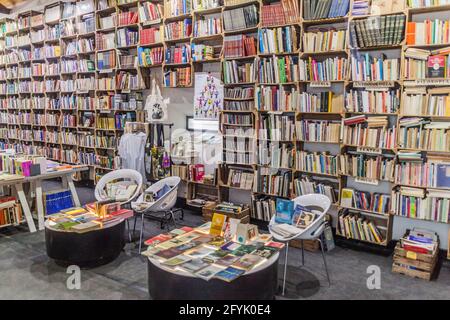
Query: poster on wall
pixel 208 96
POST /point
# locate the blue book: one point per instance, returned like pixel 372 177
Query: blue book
pixel 443 175
pixel 284 211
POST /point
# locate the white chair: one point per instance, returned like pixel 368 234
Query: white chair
pixel 163 206
pixel 117 175
pixel 315 202
pixel 121 174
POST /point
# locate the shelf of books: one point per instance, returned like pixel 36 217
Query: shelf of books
pixel 345 98
pixel 422 184
pixel 69 80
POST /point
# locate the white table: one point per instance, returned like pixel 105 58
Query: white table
pixel 36 186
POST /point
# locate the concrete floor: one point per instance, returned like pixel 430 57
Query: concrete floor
pixel 27 273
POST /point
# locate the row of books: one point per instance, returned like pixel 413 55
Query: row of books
pixel 149 12
pixel 376 138
pixel 178 77
pixel 315 162
pixel 278 70
pixel 277 98
pixel 354 226
pixel 417 133
pixel 150 56
pixel 240 18
pixel 419 173
pixel 330 69
pixel 423 102
pixel 433 67
pixel 414 203
pixel 426 3
pixel 241 45
pixel 237 119
pixel 232 157
pixel 323 9
pixel 179 53
pixel 178 29
pixel 278 40
pixel 366 101
pixel 270 183
pixel 370 168
pixel 280 13
pixel 325 38
pixel 10 212
pixel 150 36
pixel 240 179
pixel 204 52
pixel 275 155
pixel 127 37
pixel 429 32
pixel 175 8
pixel 373 202
pixel 377 31
pixel 374 68
pixel 239 72
pixel 318 131
pixel 236 144
pixel 207 27
pixel 264 209
pixel 276 128
pixel 310 185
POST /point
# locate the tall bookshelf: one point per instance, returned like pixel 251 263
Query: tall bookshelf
pixel 257 98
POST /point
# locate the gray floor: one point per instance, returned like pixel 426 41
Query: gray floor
pixel 27 273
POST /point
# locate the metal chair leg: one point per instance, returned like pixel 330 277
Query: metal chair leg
pixel 134 226
pixel 285 267
pixel 129 230
pixel 303 253
pixel 173 219
pixel 324 262
pixel 142 233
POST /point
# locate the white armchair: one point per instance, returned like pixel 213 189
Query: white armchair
pixel 163 205
pixel 315 202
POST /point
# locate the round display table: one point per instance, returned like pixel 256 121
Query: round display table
pixel 165 283
pixel 86 250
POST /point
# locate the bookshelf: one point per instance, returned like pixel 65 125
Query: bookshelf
pixel 324 110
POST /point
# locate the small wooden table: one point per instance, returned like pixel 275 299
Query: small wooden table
pixel 36 186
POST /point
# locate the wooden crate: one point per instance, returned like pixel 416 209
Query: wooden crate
pixel 310 245
pixel 208 211
pixel 423 264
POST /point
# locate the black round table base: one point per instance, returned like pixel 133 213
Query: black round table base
pixel 86 250
pixel 261 285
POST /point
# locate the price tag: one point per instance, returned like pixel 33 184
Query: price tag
pixel 411 255
pixel 320 84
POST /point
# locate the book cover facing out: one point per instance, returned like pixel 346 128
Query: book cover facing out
pixel 436 67
pixel 284 212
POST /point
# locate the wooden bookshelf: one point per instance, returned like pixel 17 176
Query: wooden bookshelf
pixel 236 105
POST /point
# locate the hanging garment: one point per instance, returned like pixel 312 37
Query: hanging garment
pixel 132 151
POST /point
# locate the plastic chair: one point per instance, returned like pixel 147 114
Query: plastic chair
pixel 163 205
pixel 317 202
pixel 121 174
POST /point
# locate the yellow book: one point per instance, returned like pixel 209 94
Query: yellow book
pixel 217 224
pixel 447 106
pixel 375 235
pixel 330 98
